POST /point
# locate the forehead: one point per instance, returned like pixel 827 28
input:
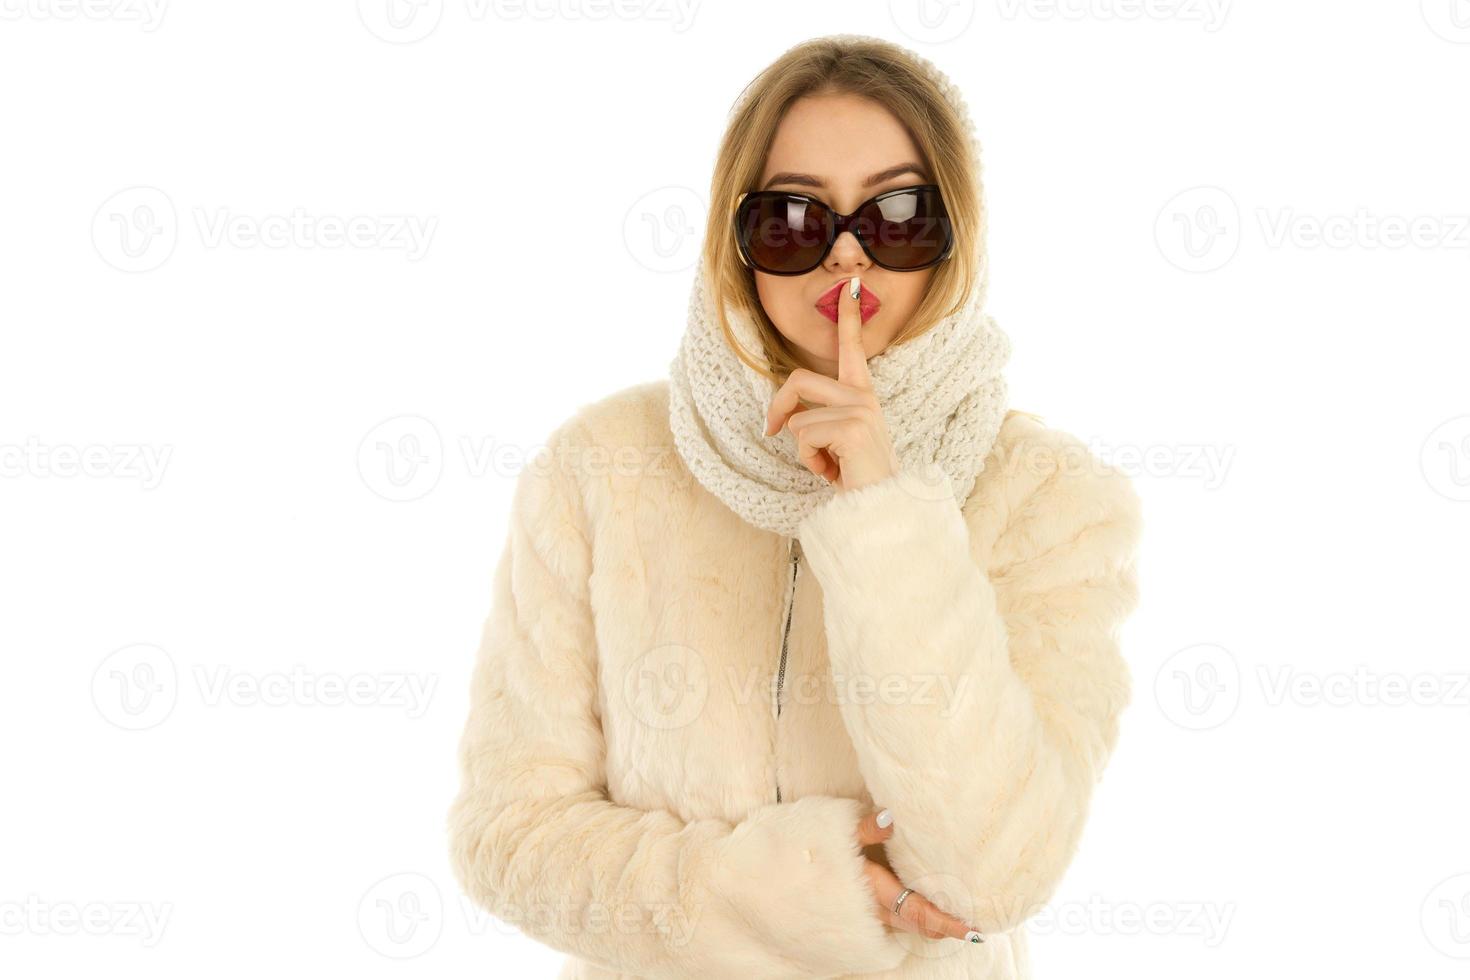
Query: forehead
pixel 843 138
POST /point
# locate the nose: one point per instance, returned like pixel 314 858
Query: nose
pixel 847 255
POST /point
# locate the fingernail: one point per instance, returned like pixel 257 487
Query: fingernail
pixel 855 288
pixel 974 937
pixel 884 817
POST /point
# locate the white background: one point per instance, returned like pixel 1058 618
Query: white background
pixel 239 471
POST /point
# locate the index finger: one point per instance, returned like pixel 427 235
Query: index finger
pixel 869 832
pixel 852 362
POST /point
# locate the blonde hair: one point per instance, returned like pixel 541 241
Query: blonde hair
pixel 900 81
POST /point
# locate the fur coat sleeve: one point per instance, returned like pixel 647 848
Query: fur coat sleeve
pixel 535 840
pixel 989 788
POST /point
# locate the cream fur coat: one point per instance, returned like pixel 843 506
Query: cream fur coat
pixel 631 794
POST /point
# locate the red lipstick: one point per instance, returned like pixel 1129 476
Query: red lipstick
pixel 867 303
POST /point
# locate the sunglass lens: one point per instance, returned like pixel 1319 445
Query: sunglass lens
pixel 907 230
pixel 784 234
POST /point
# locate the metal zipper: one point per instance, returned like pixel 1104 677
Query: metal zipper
pixel 793 551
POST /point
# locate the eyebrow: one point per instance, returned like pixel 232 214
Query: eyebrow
pixel 807 180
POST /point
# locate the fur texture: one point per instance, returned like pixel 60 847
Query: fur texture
pixel 958 665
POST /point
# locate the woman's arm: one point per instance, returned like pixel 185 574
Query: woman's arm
pixel 988 772
pixel 535 840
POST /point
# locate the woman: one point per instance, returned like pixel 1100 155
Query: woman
pixel 803 662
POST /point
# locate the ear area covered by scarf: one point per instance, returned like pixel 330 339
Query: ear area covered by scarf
pixel 995 691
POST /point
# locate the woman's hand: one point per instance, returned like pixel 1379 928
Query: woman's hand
pixel 847 440
pixel 917 914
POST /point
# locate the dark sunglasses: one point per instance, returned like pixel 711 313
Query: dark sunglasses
pixel 787 234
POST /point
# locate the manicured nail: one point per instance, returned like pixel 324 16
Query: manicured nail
pixel 855 288
pixel 884 817
pixel 974 937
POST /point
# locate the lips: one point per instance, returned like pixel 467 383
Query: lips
pixel 868 303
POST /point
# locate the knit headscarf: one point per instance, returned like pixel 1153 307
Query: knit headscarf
pixel 943 396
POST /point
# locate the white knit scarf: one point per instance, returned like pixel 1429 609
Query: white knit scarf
pixel 943 397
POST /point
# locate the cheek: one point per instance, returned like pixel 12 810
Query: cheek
pixel 911 292
pixel 918 285
pixel 781 298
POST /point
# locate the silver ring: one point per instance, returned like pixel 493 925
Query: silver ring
pixel 898 902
